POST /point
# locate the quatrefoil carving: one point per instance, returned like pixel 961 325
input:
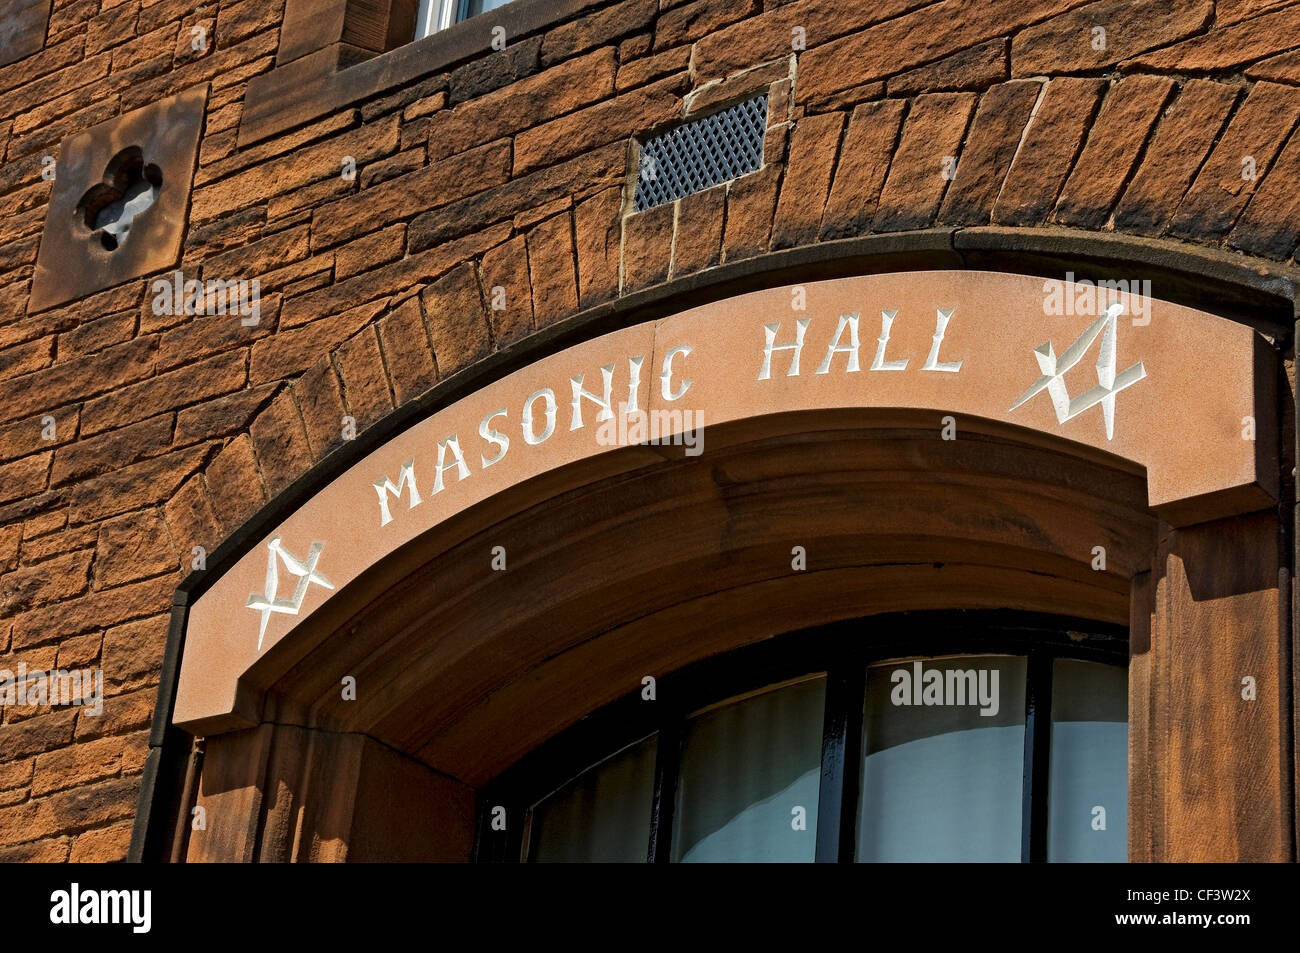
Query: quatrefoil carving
pixel 129 188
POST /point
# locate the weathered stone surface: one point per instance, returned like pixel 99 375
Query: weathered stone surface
pixel 598 230
pixel 1135 105
pixel 365 383
pixel 908 41
pixel 751 202
pixel 525 104
pixel 648 247
pixel 552 271
pixel 216 375
pixel 44 583
pixel 1224 48
pixel 990 146
pixel 1070 43
pixel 280 441
pixel 770 35
pixel 688 22
pixel 320 399
pixel 440 184
pixel 697 242
pixel 192 521
pixel 1048 151
pixel 371 251
pixel 1242 155
pixel 482 75
pixel 613 119
pixel 813 150
pixel 1270 226
pixel 458 324
pixel 597 28
pixel 132 547
pixel 504 272
pixel 235 483
pixel 977 67
pixel 1180 143
pixel 925 161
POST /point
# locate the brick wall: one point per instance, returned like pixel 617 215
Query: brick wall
pixel 508 171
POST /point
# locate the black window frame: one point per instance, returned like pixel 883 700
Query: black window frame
pixel 841 650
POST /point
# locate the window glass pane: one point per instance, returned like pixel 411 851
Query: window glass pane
pixel 474 7
pixel 601 815
pixel 943 760
pixel 1089 768
pixel 745 769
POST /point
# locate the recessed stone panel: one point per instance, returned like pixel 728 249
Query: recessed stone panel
pixel 121 195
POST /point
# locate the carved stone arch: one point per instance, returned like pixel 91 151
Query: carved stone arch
pixel 1009 503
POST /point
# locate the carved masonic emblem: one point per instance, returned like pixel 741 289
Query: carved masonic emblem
pixel 1108 382
pixel 267 603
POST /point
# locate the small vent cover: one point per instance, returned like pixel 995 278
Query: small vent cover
pixel 702 153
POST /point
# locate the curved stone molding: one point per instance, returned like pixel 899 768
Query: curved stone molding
pixel 1177 393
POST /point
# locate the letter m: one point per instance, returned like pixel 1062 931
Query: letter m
pixel 405 478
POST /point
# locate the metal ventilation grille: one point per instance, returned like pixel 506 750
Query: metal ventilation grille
pixel 702 153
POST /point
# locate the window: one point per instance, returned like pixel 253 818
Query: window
pixel 919 737
pixel 435 15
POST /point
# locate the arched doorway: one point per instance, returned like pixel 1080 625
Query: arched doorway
pixel 624 562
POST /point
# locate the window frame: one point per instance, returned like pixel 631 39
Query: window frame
pixel 841 650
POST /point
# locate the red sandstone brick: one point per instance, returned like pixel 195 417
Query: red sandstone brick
pixel 1270 226
pixel 36 735
pixel 79 379
pixel 45 583
pixel 69 811
pixel 235 483
pixel 1066 43
pixel 595 28
pixel 192 521
pixel 691 21
pixel 771 34
pixel 365 381
pixel 1226 47
pixel 378 248
pixel 82 764
pixel 280 441
pixel 320 398
pixel 30 436
pixel 1134 105
pixel 1180 143
pixel 751 202
pixel 222 417
pixel 25 477
pixel 614 119
pixel 697 241
pixel 81 651
pixel 922 36
pixel 648 247
pixel 994 135
pixel 132 653
pixel 976 67
pixel 504 273
pixel 408 355
pixel 131 547
pixel 216 375
pixel 1047 152
pixel 105 845
pixel 813 150
pixel 926 158
pixel 458 324
pixel 320 161
pixel 56 544
pixel 598 228
pixel 440 184
pixel 141 484
pixel 1223 186
pixel 552 271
